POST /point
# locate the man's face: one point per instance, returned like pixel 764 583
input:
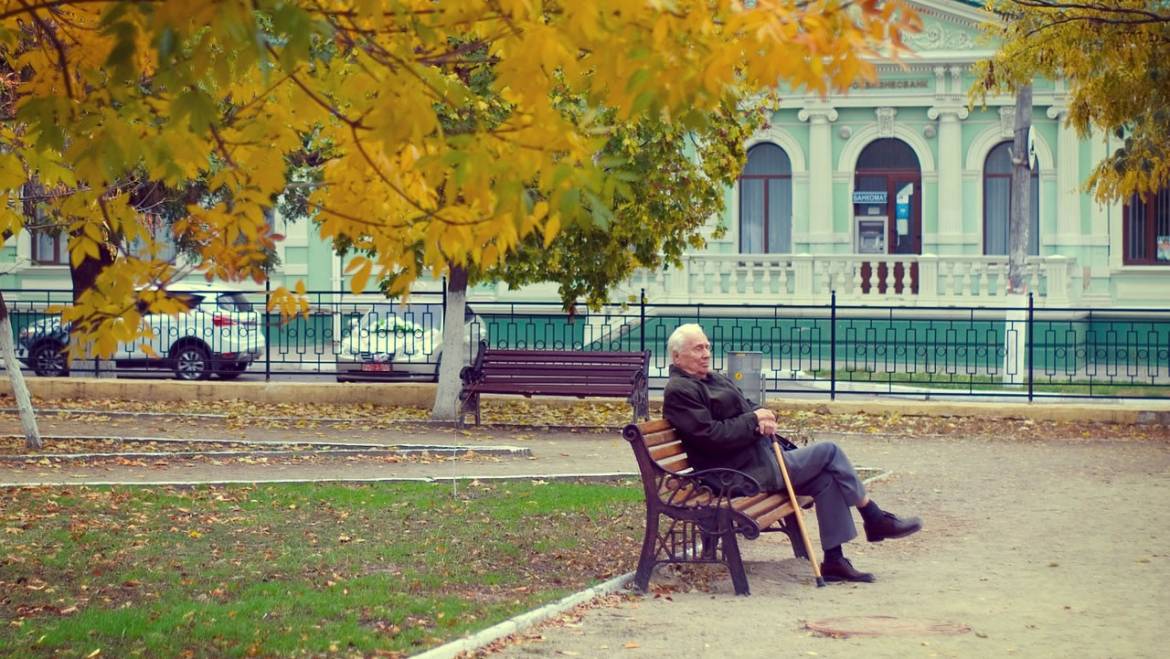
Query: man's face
pixel 695 355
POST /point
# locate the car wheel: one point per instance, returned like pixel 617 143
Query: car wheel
pixel 191 362
pixel 47 359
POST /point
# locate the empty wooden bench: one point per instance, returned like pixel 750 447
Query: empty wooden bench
pixel 695 516
pixel 556 373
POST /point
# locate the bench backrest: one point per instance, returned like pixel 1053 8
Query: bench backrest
pixel 659 452
pixel 562 371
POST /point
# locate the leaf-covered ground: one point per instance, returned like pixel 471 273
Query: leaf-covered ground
pixel 338 570
pixel 553 414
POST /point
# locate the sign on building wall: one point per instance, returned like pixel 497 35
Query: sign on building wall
pixel 869 196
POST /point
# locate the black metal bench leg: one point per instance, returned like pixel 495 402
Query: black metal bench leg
pixel 649 555
pixel 710 544
pixel 735 564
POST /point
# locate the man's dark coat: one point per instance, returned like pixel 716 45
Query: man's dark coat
pixel 719 427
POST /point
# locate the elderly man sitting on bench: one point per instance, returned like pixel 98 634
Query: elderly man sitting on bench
pixel 722 428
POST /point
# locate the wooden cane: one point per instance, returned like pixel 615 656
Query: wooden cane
pixel 808 548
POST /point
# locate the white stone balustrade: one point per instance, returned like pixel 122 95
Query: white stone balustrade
pixel 910 279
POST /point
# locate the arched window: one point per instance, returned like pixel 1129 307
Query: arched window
pixel 997 203
pixel 765 201
pixel 1146 230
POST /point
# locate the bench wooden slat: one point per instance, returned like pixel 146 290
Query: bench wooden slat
pixel 746 502
pixel 650 428
pixel 662 451
pixel 662 437
pixel 775 515
pixel 773 501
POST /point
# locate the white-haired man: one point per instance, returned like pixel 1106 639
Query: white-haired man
pixel 722 428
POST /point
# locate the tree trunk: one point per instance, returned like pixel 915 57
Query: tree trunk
pixel 1018 222
pixel 84 275
pixel 447 391
pixel 28 418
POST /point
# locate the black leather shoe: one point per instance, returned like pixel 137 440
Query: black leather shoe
pixel 890 526
pixel 842 570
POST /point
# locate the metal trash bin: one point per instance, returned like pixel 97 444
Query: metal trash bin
pixel 745 368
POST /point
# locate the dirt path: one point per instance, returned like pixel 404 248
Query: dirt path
pixel 1043 549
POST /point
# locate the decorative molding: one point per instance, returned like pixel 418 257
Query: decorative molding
pixel 984 142
pixel 928 131
pixel 817 114
pixel 953 13
pixel 959 112
pixel 937 37
pixel 844 132
pixel 1007 120
pixel 885 121
pixel 863 136
pixel 940 79
pixel 773 135
pixel 1059 112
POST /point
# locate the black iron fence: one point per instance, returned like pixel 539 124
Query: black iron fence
pixel 826 350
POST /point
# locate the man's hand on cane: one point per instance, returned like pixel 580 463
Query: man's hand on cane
pixel 766 421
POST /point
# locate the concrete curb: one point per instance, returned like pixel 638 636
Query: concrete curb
pixel 524 620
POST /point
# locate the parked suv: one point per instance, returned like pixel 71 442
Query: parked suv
pixel 219 333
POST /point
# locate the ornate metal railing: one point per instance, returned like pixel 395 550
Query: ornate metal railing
pixel 829 349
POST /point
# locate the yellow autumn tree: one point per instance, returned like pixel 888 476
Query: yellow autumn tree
pixel 1114 55
pixel 109 93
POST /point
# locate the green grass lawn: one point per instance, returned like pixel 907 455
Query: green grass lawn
pixel 319 569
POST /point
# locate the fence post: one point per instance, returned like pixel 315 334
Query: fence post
pixel 833 346
pixel 1031 341
pixel 642 322
pixel 267 324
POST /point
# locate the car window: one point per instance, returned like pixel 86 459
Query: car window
pixel 233 302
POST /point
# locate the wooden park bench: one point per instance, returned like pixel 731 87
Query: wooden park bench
pixel 695 516
pixel 556 373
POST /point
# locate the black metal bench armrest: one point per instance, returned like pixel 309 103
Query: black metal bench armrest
pixel 708 488
pixel 470 375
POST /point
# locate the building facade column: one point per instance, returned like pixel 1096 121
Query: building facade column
pixel 820 172
pixel 950 170
pixel 1068 196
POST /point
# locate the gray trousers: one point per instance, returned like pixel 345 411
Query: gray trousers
pixel 823 472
